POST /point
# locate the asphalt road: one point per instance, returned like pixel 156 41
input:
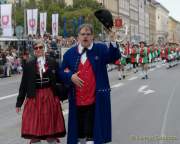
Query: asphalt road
pixel 143 111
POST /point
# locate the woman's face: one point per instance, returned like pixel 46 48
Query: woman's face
pixel 39 50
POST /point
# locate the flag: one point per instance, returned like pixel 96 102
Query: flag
pixel 74 26
pixel 43 23
pixel 55 24
pixel 80 21
pixel 64 27
pixel 32 16
pixel 6 19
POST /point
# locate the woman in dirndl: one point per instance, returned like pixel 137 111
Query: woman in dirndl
pixel 42 117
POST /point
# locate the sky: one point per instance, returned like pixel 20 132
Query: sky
pixel 173 7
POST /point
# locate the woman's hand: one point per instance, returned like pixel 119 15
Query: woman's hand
pixel 18 109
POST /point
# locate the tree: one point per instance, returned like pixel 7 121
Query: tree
pixel 84 8
pixel 19 14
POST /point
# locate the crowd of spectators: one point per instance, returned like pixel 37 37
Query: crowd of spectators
pixel 11 60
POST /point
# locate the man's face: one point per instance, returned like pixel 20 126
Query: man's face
pixel 142 45
pixel 85 37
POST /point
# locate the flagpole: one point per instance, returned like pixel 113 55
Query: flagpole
pixel 25 23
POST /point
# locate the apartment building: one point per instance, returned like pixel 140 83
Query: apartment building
pixel 172 33
pixel 141 20
pixel 162 15
pixel 146 20
pixel 134 24
pixel 124 13
pixel 152 23
pixel 178 31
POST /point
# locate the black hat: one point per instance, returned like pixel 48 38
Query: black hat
pixel 105 17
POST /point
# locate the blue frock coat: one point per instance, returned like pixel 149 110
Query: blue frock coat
pixel 99 56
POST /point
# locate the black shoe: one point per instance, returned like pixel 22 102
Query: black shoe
pixel 124 76
pixel 143 78
pixel 146 77
pixel 119 78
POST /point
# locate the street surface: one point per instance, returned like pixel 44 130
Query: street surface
pixel 143 111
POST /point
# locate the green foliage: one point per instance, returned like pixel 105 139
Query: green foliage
pixel 84 8
pixel 86 3
pixel 19 16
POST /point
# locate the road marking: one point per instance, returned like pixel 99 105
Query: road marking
pixel 8 96
pixel 149 91
pixel 133 78
pixel 117 85
pixel 167 111
pixel 142 88
pixel 152 69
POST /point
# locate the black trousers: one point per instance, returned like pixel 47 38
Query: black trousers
pixel 85 121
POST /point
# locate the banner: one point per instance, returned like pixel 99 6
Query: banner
pixel 6 19
pixel 54 24
pixel 80 21
pixel 74 26
pixel 32 16
pixel 64 28
pixel 43 23
pixel 118 22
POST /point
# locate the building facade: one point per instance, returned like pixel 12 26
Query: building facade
pixel 146 20
pixel 124 13
pixel 178 32
pixel 141 20
pixel 152 23
pixel 172 31
pixel 134 24
pixel 162 15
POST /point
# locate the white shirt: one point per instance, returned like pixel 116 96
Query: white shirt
pixel 84 56
pixel 41 62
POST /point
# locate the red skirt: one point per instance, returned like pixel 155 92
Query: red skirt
pixel 117 62
pixel 42 116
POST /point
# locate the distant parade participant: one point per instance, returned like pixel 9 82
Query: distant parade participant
pixel 169 56
pixel 144 60
pixel 121 63
pixel 135 58
pixel 163 55
pixel 127 52
pixel 151 55
pixel 178 54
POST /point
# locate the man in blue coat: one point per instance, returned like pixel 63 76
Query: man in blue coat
pixel 84 67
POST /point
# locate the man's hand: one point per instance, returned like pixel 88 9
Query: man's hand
pixel 76 80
